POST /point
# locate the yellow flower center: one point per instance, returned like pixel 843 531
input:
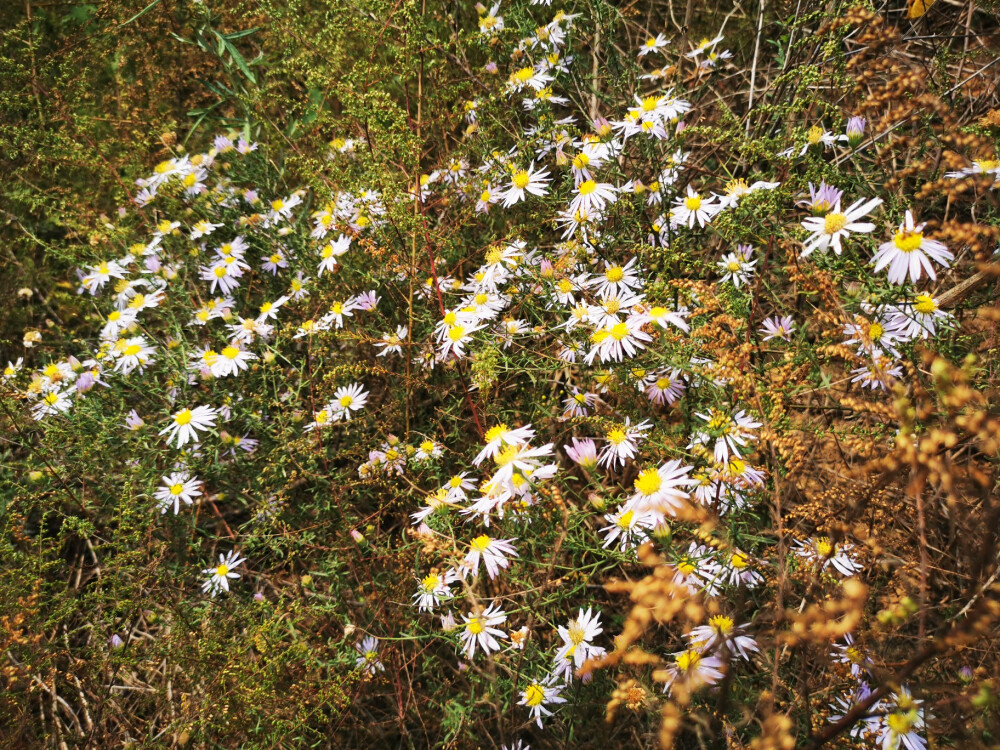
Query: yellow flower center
pixel 495 255
pixel 625 520
pixel 222 570
pixel 925 304
pixel 833 223
pixel 823 547
pixel 614 274
pixel 733 266
pixel 648 482
pixel 132 349
pixel 51 398
pixel 736 187
pixel 907 242
pixel 739 561
pixel 427 446
pixel 875 331
pixel 429 582
pixel 230 352
pixel 721 624
pixel 534 696
pixel 507 455
pixel 619 331
pixel 900 723
pixel 523 75
pixel 692 202
pixel 495 432
pixel 455 333
pixel 521 179
pixel 176 489
pixel 814 135
pixel 588 187
pixel 183 417
pixel 688 660
pixel 346 401
pixel 686 566
pixel 474 626
pixel 480 543
pixel 616 435
pixel 650 103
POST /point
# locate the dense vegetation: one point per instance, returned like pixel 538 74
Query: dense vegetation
pixel 418 374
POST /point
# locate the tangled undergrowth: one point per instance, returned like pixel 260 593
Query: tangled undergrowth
pixel 536 374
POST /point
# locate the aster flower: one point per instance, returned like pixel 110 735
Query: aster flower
pixel 661 489
pixel 177 488
pixel 480 630
pixel 367 658
pixel 778 328
pixel 622 442
pixel 500 435
pixel 220 576
pixel 829 230
pixel 187 423
pixel 433 589
pixel 537 695
pixel 628 527
pixel 822 199
pixel 578 403
pixel 901 725
pixel 583 453
pixel 577 639
pixel 693 209
pixel 693 670
pixel 720 633
pixel 348 399
pixel 592 197
pixel 492 552
pixel 911 253
pixel 525 181
pixel 737 267
pixel 826 554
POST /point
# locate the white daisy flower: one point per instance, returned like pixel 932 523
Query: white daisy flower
pixel 367 658
pixel 693 209
pixel 653 44
pixel 826 554
pixel 500 435
pixel 348 399
pixel 660 490
pixel 492 552
pixel 219 576
pixel 827 231
pixel 537 695
pixel 186 423
pixel 623 442
pixel 910 253
pixel 177 488
pixel 694 670
pixel 480 630
pixel 525 181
